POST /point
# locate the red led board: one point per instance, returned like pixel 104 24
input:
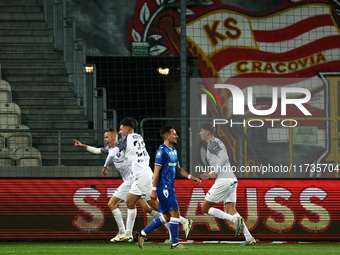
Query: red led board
pixel 77 209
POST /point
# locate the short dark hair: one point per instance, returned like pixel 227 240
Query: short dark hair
pixel 128 123
pixel 165 130
pixel 208 126
pixel 113 130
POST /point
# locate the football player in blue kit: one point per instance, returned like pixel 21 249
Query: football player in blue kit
pixel 166 167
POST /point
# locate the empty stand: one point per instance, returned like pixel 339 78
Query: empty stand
pixel 20 139
pixel 2 139
pixel 43 61
pixel 9 114
pixel 28 157
pixel 6 157
pixel 5 92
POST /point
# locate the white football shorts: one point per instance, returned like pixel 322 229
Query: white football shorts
pixel 142 186
pixel 123 190
pixel 224 189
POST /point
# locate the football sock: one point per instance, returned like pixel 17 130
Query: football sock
pixel 174 230
pixel 167 226
pixel 156 214
pixel 235 216
pixel 220 214
pixel 154 224
pixel 182 220
pixel 246 232
pixel 119 219
pixel 130 222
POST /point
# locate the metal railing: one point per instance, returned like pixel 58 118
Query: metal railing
pixel 73 52
pixel 58 134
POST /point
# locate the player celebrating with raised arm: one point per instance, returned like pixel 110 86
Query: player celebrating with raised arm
pixel 120 195
pixel 132 144
pixel 224 188
pixel 166 166
pixel 111 138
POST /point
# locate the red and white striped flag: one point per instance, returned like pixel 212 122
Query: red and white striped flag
pixel 287 48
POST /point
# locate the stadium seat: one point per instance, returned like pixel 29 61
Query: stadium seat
pixel 6 157
pixel 9 114
pixel 27 157
pixel 2 139
pixel 20 139
pixel 5 92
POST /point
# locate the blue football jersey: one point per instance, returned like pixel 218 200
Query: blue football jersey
pixel 166 158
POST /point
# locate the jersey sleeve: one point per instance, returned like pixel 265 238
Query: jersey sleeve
pixel 112 155
pixel 104 150
pixel 214 147
pixel 94 150
pixel 218 156
pixel 160 157
pixel 121 145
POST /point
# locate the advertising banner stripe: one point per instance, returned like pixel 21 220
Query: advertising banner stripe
pixel 274 209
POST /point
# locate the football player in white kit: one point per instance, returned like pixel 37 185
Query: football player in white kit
pixel 133 146
pixel 120 195
pixel 224 188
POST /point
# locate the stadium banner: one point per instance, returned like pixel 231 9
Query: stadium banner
pixel 77 209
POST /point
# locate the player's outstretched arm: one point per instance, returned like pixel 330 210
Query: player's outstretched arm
pixel 88 148
pixel 79 144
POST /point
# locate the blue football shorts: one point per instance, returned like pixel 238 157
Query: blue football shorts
pixel 167 200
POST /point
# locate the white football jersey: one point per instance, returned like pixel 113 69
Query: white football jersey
pixel 120 163
pixel 217 156
pixel 135 154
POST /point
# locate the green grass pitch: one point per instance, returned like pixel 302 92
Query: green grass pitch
pixel 105 248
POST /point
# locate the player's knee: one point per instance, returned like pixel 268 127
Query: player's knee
pixel 146 208
pixel 166 217
pixel 112 206
pixel 130 205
